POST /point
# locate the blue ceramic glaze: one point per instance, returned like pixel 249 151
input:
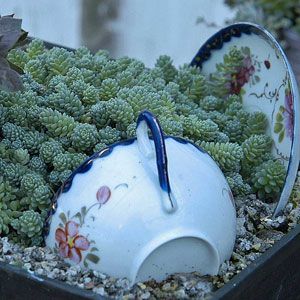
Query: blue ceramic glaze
pixel 216 41
pixel 160 148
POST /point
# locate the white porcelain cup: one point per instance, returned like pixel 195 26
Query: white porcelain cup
pixel 145 208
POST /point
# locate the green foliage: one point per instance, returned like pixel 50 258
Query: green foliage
pixel 31 181
pixel 13 172
pixel 256 124
pixel 227 155
pixel 169 127
pixel 255 148
pixel 65 101
pixel 221 79
pixel 77 103
pixel 35 48
pixel 36 69
pixel 268 179
pixel 18 57
pixel 62 161
pixel 12 132
pixel 198 89
pixel 183 79
pixel 84 137
pixel 21 156
pixel 109 135
pixel 3 115
pixel 36 164
pixel 29 224
pixel 109 70
pixel 90 95
pixel 125 79
pixel 210 103
pixel 237 184
pixel 164 62
pixel 59 61
pixel 40 197
pixel 220 119
pixel 32 141
pixel 120 112
pixel 108 89
pixel 99 114
pixel 234 130
pixel 58 124
pixel 7 193
pixel 17 115
pixel 49 150
pixel 204 130
pixel 4 222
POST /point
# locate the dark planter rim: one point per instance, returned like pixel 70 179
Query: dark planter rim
pixel 241 283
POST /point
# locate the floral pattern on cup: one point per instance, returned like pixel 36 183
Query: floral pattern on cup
pixel 70 243
pixel 103 194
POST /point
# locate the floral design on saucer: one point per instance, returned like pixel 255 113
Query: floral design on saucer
pixel 244 73
pixel 267 84
pixel 284 125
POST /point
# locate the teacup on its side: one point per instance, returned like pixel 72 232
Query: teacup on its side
pixel 145 208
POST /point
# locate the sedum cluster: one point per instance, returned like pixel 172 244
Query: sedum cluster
pixel 76 103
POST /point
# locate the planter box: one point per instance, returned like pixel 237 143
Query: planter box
pixel 274 275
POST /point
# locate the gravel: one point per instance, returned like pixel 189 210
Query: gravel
pixel 256 233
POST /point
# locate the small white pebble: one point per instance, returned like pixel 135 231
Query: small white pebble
pixel 39 271
pixel 81 285
pixel 141 285
pixel 56 271
pixel 72 271
pixel 99 290
pixel 180 294
pixel 87 280
pixel 6 247
pixel 166 286
pixel 145 295
pixel 96 273
pixel 27 266
pixel 102 276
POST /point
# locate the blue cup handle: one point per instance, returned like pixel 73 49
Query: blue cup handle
pixel 147 120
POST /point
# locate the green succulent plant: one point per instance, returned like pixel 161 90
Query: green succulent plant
pixel 76 103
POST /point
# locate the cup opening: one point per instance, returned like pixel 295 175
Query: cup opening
pixel 183 254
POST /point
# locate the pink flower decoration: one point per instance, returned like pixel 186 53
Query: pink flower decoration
pixel 70 243
pixel 242 76
pixel 103 194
